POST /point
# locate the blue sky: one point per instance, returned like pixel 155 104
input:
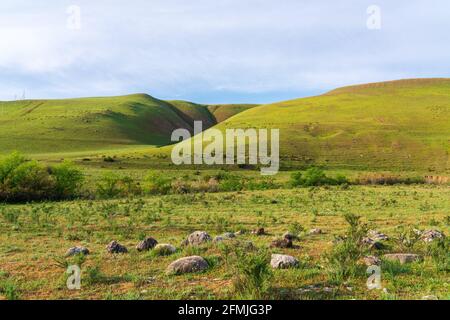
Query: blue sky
pixel 218 51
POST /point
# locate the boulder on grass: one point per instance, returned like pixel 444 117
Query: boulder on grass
pixel 164 249
pixel 289 236
pixel 146 244
pixel 187 265
pixel 377 236
pixel 76 250
pixel 259 232
pixel 197 238
pixel 115 247
pixel 281 243
pixel 225 236
pixel 371 261
pixel 282 261
pixel 372 244
pixel 431 235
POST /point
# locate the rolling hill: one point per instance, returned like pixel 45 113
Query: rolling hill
pixel 401 124
pixel 398 125
pixel 88 124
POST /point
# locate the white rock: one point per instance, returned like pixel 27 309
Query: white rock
pixel 282 261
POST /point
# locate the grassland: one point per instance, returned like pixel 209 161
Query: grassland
pixel 34 238
pixel 401 125
pixel 400 128
pixel 89 125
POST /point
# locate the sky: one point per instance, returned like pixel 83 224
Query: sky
pixel 221 51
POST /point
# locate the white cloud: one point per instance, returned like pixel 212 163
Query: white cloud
pixel 216 50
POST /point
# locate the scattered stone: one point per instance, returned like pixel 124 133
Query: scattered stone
pixel 402 257
pixel 289 236
pixel 187 265
pixel 164 249
pixel 281 243
pixel 315 231
pixel 371 261
pixel 197 238
pixel 218 239
pixel 239 233
pixel 372 244
pixel 225 236
pixel 377 236
pixel 77 250
pixel 431 235
pixel 259 232
pixel 282 261
pixel 146 244
pixel 115 247
pixel 229 235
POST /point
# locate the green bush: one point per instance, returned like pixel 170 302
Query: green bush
pixel 315 177
pixel 68 179
pixel 229 182
pixel 112 185
pixel 252 274
pixel 439 250
pixel 22 180
pixel 342 260
pixel 155 183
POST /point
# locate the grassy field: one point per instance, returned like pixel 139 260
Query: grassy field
pixel 395 129
pixel 34 238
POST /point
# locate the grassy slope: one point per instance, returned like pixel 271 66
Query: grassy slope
pixel 29 246
pixel 394 125
pixel 94 124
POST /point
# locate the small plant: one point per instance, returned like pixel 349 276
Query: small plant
pixel 296 229
pixel 9 290
pixel 253 274
pixel 112 186
pixel 342 261
pixel 156 183
pixel 407 239
pixel 439 250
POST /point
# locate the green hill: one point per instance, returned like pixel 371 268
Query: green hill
pixel 94 124
pixel 393 125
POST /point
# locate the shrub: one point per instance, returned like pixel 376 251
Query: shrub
pixel 315 177
pixel 10 290
pixel 155 183
pixel 27 181
pixel 68 179
pixel 112 186
pixel 342 260
pixel 439 250
pixel 253 274
pixel 387 179
pixel 229 182
pixel 22 180
pixel 9 164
